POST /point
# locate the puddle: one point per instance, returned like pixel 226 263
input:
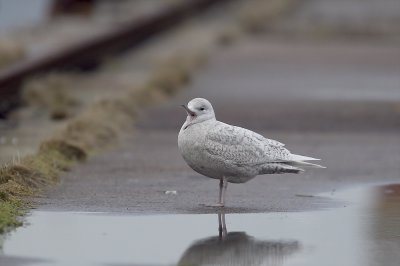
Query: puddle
pixel 364 231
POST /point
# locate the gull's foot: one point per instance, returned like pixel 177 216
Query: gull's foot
pixel 215 205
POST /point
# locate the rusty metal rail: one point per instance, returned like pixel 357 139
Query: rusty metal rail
pixel 88 54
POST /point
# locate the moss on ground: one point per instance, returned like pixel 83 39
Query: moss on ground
pixel 9 213
pixel 11 205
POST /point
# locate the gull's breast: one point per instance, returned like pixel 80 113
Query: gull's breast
pixel 191 143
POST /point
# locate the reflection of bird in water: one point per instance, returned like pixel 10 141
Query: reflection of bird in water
pixel 237 248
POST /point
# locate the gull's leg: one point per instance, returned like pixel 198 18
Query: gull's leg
pixel 223 186
pixel 221 194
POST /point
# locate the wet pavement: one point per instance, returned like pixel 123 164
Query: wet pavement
pixel 363 229
pixel 301 94
pixel 137 177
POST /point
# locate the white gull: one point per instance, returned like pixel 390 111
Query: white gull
pixel 230 153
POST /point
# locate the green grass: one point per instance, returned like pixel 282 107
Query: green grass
pixel 10 213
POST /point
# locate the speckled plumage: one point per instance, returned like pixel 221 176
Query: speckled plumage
pixel 230 153
pixel 215 149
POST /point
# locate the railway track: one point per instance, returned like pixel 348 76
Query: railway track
pixel 88 54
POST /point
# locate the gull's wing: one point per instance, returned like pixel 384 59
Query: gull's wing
pixel 243 147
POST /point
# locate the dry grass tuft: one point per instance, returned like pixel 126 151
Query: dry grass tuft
pixel 90 134
pixel 228 36
pixel 32 173
pixel 257 17
pixel 170 77
pixel 11 190
pixel 63 150
pixel 22 175
pixel 146 95
pixel 50 93
pixel 99 126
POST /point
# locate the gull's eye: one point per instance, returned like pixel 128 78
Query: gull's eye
pixel 202 109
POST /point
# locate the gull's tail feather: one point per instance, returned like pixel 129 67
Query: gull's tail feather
pixel 297 157
pixel 299 161
pixel 304 164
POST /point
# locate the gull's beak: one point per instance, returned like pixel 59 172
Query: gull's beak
pixel 188 111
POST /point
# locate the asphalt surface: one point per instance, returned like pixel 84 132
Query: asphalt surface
pixel 336 101
pixel 349 18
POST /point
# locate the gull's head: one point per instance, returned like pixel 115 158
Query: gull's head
pixel 198 110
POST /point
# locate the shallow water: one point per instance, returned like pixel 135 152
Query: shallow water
pixel 364 231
